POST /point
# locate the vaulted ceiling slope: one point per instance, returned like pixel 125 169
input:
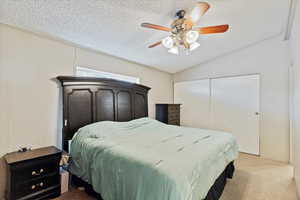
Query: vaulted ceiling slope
pixel 113 26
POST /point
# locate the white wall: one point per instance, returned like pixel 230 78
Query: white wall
pixel 269 59
pixel 30 98
pixel 295 44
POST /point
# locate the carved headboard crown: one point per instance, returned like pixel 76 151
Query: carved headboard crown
pixel 87 100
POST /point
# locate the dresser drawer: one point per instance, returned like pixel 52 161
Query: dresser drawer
pixel 26 171
pixel 173 109
pixel 35 186
pixel 173 115
pixel 174 122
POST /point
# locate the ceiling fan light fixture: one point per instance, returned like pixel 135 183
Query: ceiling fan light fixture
pixel 174 50
pixel 192 36
pixel 194 46
pixel 168 42
pixel 184 31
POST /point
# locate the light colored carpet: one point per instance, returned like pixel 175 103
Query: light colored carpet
pixel 255 179
pixel 260 179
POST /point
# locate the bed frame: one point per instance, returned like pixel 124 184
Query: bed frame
pixel 89 100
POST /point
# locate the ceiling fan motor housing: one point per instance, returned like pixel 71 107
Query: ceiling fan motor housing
pixel 180 14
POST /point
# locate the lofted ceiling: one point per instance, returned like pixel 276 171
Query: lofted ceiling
pixel 113 26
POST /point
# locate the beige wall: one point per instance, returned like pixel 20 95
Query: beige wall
pixel 295 45
pixel 269 59
pixel 30 98
pixel 160 82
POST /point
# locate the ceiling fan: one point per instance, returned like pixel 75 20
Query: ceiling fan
pixel 183 31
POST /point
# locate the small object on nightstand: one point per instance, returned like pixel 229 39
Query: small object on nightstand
pixel 168 113
pixel 64 162
pixel 33 174
pixel 24 149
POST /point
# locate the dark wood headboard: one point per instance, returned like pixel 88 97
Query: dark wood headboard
pixel 87 100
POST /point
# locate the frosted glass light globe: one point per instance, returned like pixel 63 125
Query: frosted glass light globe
pixel 194 46
pixel 168 42
pixel 174 50
pixel 192 36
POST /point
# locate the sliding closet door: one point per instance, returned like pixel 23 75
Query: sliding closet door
pixel 235 109
pixel 195 108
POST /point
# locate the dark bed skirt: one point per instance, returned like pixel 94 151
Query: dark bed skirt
pixel 214 193
pixel 216 190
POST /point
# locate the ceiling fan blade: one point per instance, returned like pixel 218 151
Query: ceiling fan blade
pixel 213 29
pixel 157 27
pixel 155 44
pixel 199 10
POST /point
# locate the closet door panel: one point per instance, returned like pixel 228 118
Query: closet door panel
pixel 235 109
pixel 195 99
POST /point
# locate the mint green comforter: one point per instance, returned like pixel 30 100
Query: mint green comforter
pixel 147 160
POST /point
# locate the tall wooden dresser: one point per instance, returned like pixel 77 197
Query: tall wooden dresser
pixel 168 113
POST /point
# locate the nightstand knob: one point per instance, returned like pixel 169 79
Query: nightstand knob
pixel 34 173
pixel 33 187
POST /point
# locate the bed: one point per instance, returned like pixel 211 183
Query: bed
pixel 118 153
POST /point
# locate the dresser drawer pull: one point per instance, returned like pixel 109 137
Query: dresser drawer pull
pixel 34 173
pixel 41 184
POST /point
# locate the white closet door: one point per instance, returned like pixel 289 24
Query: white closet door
pixel 195 99
pixel 235 109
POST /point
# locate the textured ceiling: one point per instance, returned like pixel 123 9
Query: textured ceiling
pixel 113 26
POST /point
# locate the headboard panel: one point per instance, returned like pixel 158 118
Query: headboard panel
pixel 87 100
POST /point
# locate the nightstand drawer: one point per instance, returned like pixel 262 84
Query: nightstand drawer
pixel 36 186
pixel 34 169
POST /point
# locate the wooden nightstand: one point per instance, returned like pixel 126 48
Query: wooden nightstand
pixel 33 174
